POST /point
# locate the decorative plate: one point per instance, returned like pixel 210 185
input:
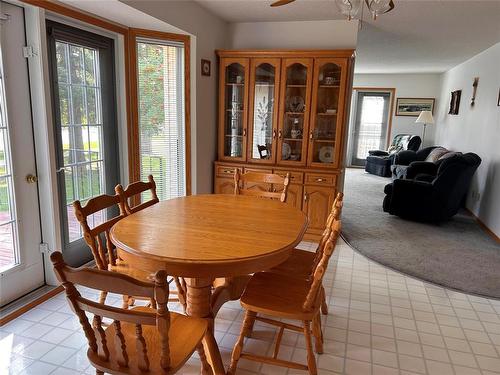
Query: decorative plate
pixel 326 154
pixel 286 151
pixel 295 104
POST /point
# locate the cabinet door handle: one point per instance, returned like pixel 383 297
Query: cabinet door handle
pixel 310 135
pixel 280 134
pixel 319 180
pixel 244 132
pixel 305 197
pixel 274 133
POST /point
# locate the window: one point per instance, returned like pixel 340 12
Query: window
pixel 80 106
pixel 9 252
pixel 161 112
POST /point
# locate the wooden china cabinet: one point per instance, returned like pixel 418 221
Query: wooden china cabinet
pixel 286 112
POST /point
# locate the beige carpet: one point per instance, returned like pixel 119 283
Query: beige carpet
pixel 457 254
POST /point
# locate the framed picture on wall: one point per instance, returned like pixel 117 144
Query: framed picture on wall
pixel 455 102
pixel 413 106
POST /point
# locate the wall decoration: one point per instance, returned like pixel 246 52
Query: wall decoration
pixel 498 100
pixel 474 89
pixel 413 106
pixel 455 102
pixel 205 67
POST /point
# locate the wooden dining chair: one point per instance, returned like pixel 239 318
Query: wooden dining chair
pixel 283 297
pixel 139 340
pixel 274 181
pixel 133 191
pixel 99 240
pixel 301 263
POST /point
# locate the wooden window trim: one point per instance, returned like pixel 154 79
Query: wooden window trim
pixel 133 134
pixel 391 109
pixel 130 35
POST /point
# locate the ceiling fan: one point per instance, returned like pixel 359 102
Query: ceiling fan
pixel 351 7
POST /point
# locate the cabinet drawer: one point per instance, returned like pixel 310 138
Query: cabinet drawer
pixel 320 179
pixel 226 170
pixel 295 177
pixel 258 170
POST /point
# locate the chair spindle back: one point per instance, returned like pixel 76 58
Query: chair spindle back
pixel 328 246
pixel 114 282
pixel 274 181
pixel 102 250
pixel 134 189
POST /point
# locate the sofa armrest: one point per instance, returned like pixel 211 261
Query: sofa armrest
pixel 378 153
pixel 411 199
pixel 405 157
pixel 418 167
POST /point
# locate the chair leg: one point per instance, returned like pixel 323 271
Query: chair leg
pixel 250 326
pixel 324 306
pixel 125 299
pixel 102 297
pixel 181 292
pixel 238 347
pixel 318 336
pixel 311 359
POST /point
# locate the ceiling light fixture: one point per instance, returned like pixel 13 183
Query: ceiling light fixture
pixel 351 8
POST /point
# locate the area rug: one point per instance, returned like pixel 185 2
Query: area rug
pixel 457 254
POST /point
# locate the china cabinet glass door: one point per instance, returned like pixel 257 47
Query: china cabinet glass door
pixel 235 93
pixel 327 113
pixel 294 111
pixel 264 82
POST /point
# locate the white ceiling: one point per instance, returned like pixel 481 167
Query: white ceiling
pixel 417 36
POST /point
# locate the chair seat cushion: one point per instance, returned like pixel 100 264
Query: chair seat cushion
pixel 299 264
pixel 185 334
pixel 278 295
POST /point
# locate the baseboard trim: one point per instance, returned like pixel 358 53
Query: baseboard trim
pixel 484 226
pixel 30 305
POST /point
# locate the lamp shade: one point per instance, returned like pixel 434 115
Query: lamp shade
pixel 425 118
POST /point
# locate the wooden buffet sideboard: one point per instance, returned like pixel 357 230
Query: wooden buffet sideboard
pixel 286 111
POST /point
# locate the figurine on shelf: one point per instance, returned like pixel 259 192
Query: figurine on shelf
pixel 296 132
pixel 263 109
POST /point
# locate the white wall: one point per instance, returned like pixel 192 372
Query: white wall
pixel 209 33
pixel 407 86
pixel 336 34
pixel 476 129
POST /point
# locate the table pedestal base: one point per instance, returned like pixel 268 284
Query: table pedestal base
pixel 202 303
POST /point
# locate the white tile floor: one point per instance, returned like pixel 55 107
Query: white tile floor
pixel 380 323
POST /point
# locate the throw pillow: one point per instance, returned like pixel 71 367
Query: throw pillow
pixel 435 154
pixel 449 155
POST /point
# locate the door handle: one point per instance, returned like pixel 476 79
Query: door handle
pixel 31 179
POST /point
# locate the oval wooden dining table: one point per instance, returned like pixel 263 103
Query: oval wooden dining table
pixel 214 242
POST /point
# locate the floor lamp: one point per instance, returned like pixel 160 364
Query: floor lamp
pixel 426 119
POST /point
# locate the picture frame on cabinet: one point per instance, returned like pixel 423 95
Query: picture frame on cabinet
pixel 205 67
pixel 413 106
pixel 455 102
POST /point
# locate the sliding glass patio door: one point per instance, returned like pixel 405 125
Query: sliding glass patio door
pixel 84 106
pixel 371 124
